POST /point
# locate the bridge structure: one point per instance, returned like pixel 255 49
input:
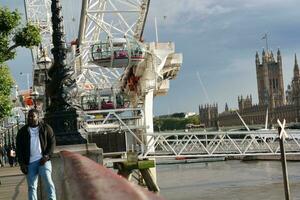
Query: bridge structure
pixel 220 143
pixel 193 144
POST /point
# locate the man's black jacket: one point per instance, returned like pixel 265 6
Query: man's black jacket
pixel 47 140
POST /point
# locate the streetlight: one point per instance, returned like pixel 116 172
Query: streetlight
pixel 25 111
pixel 34 96
pixel 18 120
pixel 2 135
pixel 45 62
pixel 16 94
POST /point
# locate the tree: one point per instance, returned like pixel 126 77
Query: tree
pixel 193 120
pixel 6 83
pixel 171 123
pixel 12 35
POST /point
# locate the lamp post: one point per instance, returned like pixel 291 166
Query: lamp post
pixel 45 63
pixel 16 94
pixel 18 120
pixel 34 96
pixel 2 135
pixel 25 111
pixel 8 136
pixel 61 113
pixel 17 116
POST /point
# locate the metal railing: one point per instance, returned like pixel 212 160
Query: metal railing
pixel 8 134
pixel 214 144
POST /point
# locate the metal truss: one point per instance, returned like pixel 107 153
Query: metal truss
pixel 93 79
pixel 125 120
pixel 38 13
pixel 214 144
pixel 107 19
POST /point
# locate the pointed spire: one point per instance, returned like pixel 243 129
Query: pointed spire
pixel 257 58
pixel 226 107
pixel 264 56
pixel 278 55
pixel 272 56
pixel 296 68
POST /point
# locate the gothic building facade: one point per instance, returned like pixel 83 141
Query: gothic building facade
pixel 209 114
pixel 271 97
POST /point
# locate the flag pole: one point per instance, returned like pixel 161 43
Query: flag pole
pixel 266 36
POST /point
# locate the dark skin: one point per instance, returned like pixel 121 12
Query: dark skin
pixel 33 121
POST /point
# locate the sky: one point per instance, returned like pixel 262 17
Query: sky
pixel 218 40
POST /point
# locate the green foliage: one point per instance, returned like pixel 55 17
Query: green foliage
pixel 6 80
pixel 6 83
pixel 180 115
pixel 5 106
pixel 8 20
pixel 194 120
pixel 172 123
pixel 12 36
pixel 28 36
pixel 5 54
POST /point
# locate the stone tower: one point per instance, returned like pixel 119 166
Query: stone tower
pixel 270 79
pixel 209 114
pixel 244 103
pixel 296 86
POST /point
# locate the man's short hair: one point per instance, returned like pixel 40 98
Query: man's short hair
pixel 33 110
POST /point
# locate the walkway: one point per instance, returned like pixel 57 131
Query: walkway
pixel 13 184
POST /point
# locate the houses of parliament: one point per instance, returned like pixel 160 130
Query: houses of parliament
pixel 271 95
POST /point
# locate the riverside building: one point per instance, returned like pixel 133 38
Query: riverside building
pixel 271 95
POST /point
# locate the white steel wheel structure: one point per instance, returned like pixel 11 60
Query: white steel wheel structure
pixel 111 45
pixel 106 27
pixel 37 12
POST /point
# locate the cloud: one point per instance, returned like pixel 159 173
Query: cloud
pixel 185 11
pixel 203 15
pixel 238 66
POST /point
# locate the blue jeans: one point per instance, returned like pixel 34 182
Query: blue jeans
pixel 35 169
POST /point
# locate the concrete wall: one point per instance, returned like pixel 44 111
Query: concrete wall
pixel 58 169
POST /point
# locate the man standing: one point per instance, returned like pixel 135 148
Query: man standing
pixel 35 145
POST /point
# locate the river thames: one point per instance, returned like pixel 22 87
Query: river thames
pixel 227 180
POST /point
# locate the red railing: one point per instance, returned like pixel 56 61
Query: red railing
pixel 86 179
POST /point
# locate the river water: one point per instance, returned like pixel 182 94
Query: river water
pixel 227 180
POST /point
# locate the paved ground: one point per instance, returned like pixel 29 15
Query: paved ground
pixel 13 184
